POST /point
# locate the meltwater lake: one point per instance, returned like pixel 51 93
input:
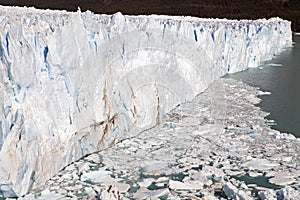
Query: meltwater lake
pixel 281 77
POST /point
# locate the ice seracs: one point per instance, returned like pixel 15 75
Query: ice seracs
pixel 75 83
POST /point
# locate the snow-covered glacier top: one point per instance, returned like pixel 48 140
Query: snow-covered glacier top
pixel 73 83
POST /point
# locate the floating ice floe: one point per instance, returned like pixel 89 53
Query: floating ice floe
pixel 274 65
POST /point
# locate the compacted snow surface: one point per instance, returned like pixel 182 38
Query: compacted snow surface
pixel 76 83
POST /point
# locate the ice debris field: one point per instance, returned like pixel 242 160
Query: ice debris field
pixel 73 83
pixel 217 146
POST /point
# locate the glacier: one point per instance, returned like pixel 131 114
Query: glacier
pixel 73 83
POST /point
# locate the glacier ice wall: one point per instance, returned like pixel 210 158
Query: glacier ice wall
pixel 75 83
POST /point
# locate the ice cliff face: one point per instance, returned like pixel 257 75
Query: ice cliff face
pixel 75 83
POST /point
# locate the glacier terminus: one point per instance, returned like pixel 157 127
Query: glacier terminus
pixel 73 83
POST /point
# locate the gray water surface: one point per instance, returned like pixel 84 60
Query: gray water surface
pixel 284 84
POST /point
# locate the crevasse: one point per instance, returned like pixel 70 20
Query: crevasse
pixel 75 83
